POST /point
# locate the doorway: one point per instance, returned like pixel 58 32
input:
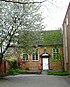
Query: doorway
pixel 45 64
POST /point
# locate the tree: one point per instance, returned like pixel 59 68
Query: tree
pixel 23 1
pixel 14 19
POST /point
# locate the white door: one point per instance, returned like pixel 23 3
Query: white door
pixel 45 64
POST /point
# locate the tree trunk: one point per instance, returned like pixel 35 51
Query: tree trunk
pixel 1 56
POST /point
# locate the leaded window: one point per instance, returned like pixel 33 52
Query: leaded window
pixel 55 53
pixel 35 55
pixel 25 57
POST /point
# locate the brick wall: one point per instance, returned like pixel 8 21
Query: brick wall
pixel 33 65
pixel 4 67
pixel 67 65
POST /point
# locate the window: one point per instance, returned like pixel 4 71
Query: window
pixel 55 53
pixel 35 57
pixel 25 57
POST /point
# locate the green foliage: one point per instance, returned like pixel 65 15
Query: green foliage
pixel 16 71
pixel 12 63
pixel 52 37
pixel 59 73
pixel 16 21
pixel 12 72
pixel 19 71
pixel 57 57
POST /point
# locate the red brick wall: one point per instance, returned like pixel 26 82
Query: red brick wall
pixel 33 65
pixel 4 67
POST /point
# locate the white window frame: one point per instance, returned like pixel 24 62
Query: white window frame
pixel 55 52
pixel 35 57
pixel 26 58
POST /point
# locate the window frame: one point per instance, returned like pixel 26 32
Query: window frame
pixel 36 58
pixel 55 52
pixel 26 59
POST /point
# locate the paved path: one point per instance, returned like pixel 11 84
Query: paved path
pixel 35 81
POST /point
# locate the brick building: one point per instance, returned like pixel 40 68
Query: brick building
pixel 52 44
pixel 66 39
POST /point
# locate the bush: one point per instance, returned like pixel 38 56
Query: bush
pixel 12 72
pixel 12 63
pixel 16 71
pixel 58 73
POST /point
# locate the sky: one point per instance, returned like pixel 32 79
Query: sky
pixel 54 12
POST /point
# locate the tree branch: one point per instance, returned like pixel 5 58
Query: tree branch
pixel 22 2
pixel 9 41
pixel 10 38
pixel 6 36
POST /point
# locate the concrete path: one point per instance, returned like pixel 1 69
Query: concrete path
pixel 35 81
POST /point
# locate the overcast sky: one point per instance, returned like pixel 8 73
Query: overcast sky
pixel 54 13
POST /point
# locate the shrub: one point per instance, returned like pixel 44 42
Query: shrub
pixel 12 72
pixel 16 71
pixel 12 63
pixel 58 73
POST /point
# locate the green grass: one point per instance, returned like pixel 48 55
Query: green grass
pixel 59 73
